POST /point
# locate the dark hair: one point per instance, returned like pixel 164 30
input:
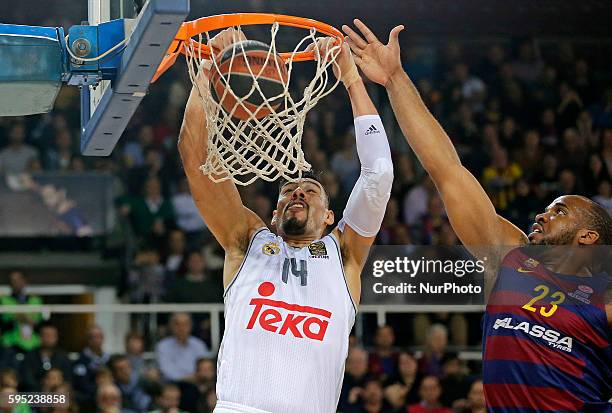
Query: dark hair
pixel 311 174
pixel 133 334
pixel 205 359
pixel 599 220
pixel 113 360
pixel 45 324
pixel 183 266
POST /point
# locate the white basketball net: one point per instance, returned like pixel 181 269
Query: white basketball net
pixel 268 148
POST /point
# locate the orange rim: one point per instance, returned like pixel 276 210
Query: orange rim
pixel 193 28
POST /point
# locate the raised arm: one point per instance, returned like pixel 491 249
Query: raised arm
pixel 469 209
pixel 366 205
pixel 219 203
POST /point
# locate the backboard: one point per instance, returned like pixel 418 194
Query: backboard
pixel 149 27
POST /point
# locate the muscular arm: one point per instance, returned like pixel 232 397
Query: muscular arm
pixel 356 245
pixel 219 203
pixel 469 209
pixel 366 205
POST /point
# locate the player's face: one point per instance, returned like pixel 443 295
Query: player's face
pixel 302 208
pixel 559 223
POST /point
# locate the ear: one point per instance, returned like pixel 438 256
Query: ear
pixel 587 237
pixel 274 214
pixel 329 217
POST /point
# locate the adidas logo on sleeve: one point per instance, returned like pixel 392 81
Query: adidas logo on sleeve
pixel 371 130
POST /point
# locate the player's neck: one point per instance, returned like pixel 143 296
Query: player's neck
pixel 299 241
pixel 567 260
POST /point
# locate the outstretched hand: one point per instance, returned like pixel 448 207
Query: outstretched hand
pixel 379 62
pixel 344 69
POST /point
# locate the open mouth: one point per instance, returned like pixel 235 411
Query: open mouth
pixel 295 206
pixel 536 229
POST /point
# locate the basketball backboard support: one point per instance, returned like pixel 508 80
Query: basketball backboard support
pixel 150 27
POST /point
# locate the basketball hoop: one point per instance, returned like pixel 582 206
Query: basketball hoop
pixel 267 147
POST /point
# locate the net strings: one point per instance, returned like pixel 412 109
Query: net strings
pixel 268 148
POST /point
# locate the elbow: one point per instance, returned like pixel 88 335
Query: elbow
pixel 378 182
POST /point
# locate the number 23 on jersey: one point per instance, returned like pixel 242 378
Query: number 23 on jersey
pixel 544 291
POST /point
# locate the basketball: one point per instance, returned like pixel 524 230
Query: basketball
pixel 234 69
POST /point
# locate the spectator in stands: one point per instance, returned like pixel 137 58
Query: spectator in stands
pixel 383 360
pixel 15 158
pixel 595 173
pixel 407 377
pixel 51 380
pixel 499 178
pixel 193 395
pixel 132 395
pixel 430 363
pixel 475 402
pixel 573 154
pixel 134 351
pixel 168 400
pixel 430 392
pixel 134 151
pixel 524 207
pixel 405 177
pixel 176 247
pixel 146 277
pixel 432 221
pixel 355 374
pixel 19 330
pixel 194 283
pixel 150 213
pixel 177 355
pixel 390 224
pixel 604 195
pixel 60 157
pixel 416 201
pixel 90 359
pixel 454 380
pixel 104 376
pixel 47 357
pixel 529 155
pixel 369 399
pixel 8 378
pixel 71 406
pixel 188 218
pixel 108 400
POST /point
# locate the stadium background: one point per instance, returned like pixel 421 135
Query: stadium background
pixel 523 89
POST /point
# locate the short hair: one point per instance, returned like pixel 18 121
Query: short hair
pixel 168 386
pixel 113 360
pixel 133 334
pixel 310 174
pixel 45 324
pixel 598 219
pixel 205 359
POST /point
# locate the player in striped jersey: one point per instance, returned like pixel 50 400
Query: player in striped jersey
pixel 546 333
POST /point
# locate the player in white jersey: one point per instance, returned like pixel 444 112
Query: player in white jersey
pixel 291 294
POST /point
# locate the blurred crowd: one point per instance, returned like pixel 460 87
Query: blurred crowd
pixel 180 376
pixel 530 123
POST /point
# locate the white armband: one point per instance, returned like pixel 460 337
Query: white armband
pixel 367 203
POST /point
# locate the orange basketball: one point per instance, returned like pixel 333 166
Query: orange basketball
pixel 271 74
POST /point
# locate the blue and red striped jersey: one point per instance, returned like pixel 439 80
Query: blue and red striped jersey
pixel 546 341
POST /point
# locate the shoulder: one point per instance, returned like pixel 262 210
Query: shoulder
pixel 196 343
pixel 165 343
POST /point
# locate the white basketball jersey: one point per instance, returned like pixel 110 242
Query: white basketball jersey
pixel 288 315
